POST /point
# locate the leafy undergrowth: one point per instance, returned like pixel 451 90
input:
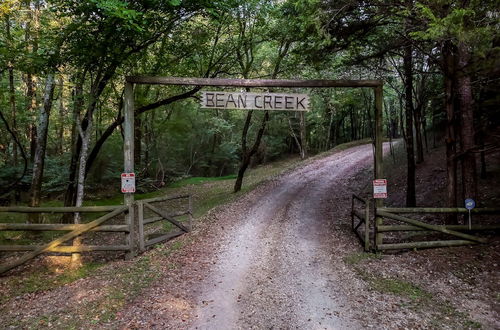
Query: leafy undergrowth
pixel 411 297
pixel 45 278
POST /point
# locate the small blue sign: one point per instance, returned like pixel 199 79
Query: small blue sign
pixel 470 204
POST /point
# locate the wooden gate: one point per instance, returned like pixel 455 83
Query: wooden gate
pixel 461 234
pixel 149 214
pixel 74 231
pixel 364 219
pixel 176 211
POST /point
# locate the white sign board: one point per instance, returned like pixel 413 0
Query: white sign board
pixel 380 188
pixel 255 101
pixel 128 183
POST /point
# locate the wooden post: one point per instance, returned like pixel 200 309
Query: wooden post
pixel 367 226
pixel 379 165
pixel 128 163
pixel 190 210
pixel 140 216
pixel 352 213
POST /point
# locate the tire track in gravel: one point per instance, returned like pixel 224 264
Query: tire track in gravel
pixel 276 269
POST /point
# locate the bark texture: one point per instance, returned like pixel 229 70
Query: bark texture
pixel 41 145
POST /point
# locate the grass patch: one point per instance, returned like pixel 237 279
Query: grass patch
pixel 446 314
pixel 442 313
pixel 129 282
pixel 356 258
pixel 399 287
pixel 200 180
pixel 44 280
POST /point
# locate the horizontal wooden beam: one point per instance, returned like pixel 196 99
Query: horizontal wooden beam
pixel 163 199
pixel 390 228
pixel 59 227
pixel 62 209
pixel 251 82
pixel 430 227
pixel 423 245
pixel 163 238
pixel 166 216
pixel 66 248
pixel 438 210
pixel 156 219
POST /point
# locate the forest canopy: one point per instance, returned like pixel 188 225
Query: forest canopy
pixel 63 64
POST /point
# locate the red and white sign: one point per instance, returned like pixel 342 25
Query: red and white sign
pixel 128 182
pixel 380 188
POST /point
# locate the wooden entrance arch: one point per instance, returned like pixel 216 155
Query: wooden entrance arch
pixel 128 148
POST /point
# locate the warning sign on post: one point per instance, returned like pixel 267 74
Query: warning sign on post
pixel 380 188
pixel 128 182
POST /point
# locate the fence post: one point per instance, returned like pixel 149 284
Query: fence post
pixel 352 212
pixel 379 162
pixel 190 210
pixel 128 162
pixel 367 226
pixel 140 216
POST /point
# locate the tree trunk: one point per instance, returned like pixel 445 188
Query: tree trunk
pixel 247 154
pixel 85 137
pixel 303 136
pixel 12 102
pixel 31 111
pixel 410 155
pixel 69 196
pixel 60 130
pixel 451 162
pixel 137 142
pixel 467 133
pixel 12 91
pixel 41 145
pixel 295 138
pixel 418 133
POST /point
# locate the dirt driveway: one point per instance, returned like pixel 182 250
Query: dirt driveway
pixel 276 267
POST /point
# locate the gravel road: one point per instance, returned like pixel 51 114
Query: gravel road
pixel 279 267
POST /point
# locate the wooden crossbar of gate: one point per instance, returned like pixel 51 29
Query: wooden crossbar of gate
pixel 364 218
pixel 162 215
pixel 54 245
pixel 416 225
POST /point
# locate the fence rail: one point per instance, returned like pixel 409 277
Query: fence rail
pixel 134 231
pixel 162 215
pixel 364 218
pixel 59 209
pixel 462 234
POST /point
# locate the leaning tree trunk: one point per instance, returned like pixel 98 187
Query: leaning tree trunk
pixel 85 136
pixel 247 154
pixel 41 145
pixel 70 195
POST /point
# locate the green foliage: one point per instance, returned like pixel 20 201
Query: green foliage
pixel 472 25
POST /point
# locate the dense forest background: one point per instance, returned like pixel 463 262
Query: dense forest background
pixel 63 63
